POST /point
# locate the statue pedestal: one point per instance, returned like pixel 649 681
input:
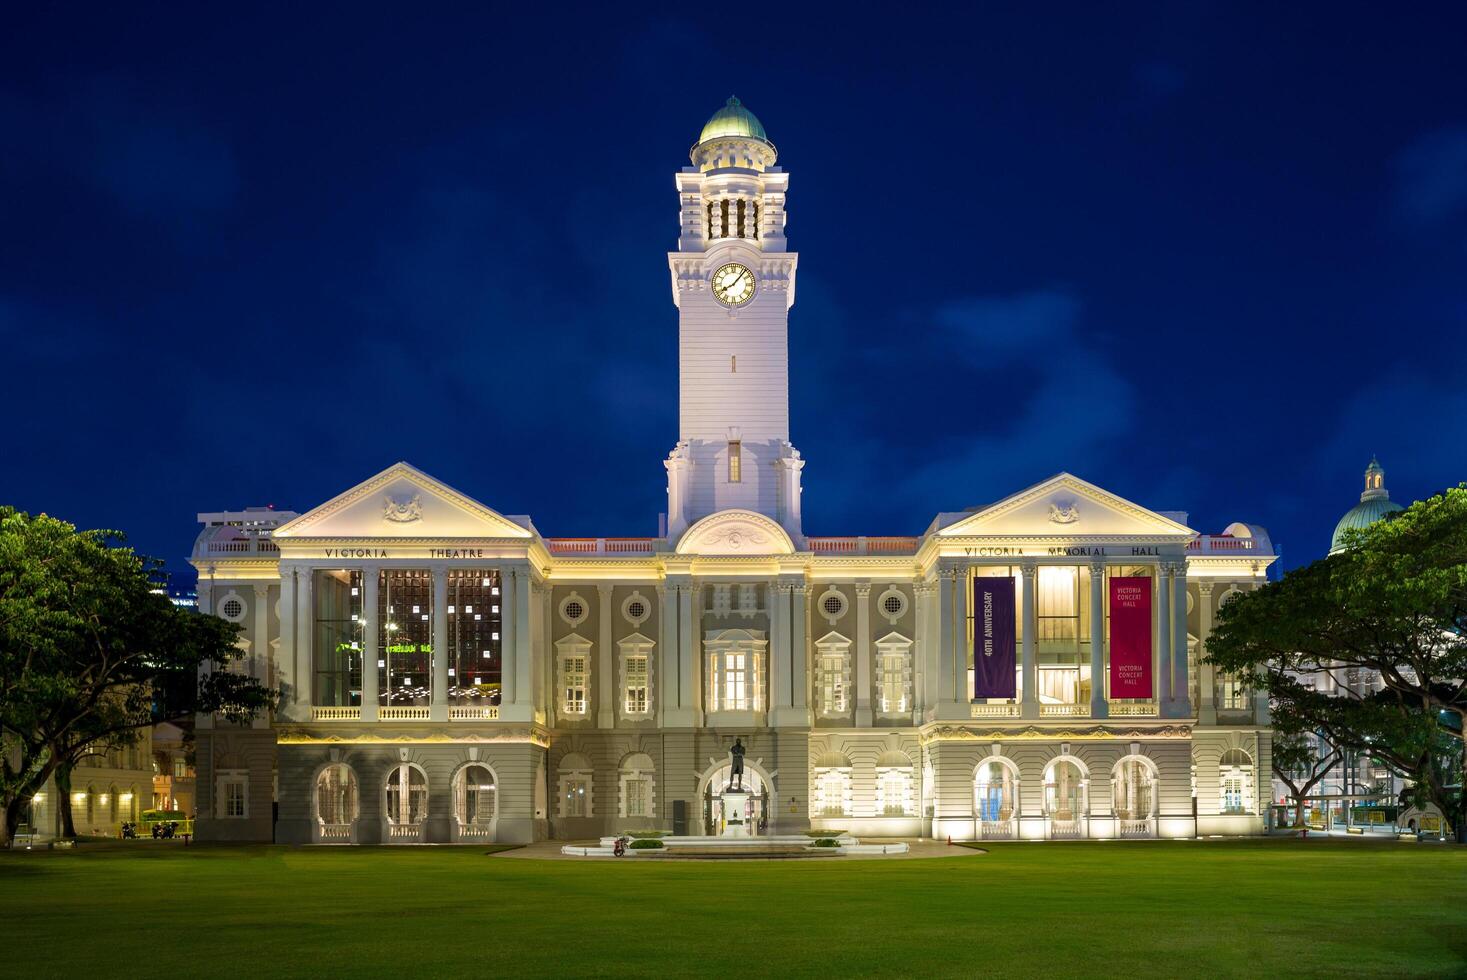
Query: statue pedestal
pixel 735 813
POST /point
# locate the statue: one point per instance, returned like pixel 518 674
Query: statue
pixel 736 764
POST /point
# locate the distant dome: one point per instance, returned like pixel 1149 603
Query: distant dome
pixel 1375 503
pixel 733 120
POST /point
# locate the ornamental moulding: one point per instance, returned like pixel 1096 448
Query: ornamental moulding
pixel 302 735
pixel 962 733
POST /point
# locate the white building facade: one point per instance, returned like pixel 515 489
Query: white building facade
pixel 448 674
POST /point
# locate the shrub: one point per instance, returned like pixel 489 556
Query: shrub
pixel 645 844
pixel 824 833
pixel 826 842
pixel 635 834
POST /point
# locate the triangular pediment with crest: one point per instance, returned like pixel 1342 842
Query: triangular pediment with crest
pixel 402 502
pixel 1066 506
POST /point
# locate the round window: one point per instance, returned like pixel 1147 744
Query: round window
pixel 232 608
pixel 893 604
pixel 574 610
pixel 636 609
pixel 833 604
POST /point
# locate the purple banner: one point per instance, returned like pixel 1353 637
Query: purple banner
pixel 993 638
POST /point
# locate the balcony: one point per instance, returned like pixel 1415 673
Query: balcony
pixel 997 710
pixel 1219 544
pixel 412 712
pixel 1119 709
pixel 473 712
pixel 1064 710
pixel 862 545
pixel 252 546
pixel 325 712
pixel 603 546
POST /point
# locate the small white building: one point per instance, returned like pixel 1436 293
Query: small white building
pixel 451 674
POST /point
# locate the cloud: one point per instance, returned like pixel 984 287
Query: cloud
pixel 1009 327
pixel 1431 176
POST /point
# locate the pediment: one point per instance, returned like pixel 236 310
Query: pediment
pixel 574 641
pixel 833 639
pixel 401 502
pixel 894 639
pixel 636 640
pixel 1066 506
pixel 735 532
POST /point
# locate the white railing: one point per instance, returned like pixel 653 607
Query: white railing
pixel 1064 710
pixel 334 831
pixel 1214 543
pixel 475 831
pixel 1134 828
pixel 326 712
pixel 254 546
pixel 473 712
pixel 1124 710
pixel 404 831
pixel 996 830
pixel 1065 829
pixel 996 711
pixel 860 544
pixel 602 546
pixel 404 713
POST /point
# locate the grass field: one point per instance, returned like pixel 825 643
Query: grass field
pixel 1195 909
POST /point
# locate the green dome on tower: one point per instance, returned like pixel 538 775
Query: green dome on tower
pixel 733 120
pixel 1375 503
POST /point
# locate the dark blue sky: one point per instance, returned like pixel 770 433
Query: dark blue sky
pixel 1209 257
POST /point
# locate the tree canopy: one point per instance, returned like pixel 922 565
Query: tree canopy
pixel 1392 604
pixel 92 650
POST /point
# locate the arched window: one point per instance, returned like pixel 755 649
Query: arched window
pixel 894 785
pixel 1065 798
pixel 577 783
pixel 833 786
pixel 1236 781
pixel 407 795
pixel 336 802
pixel 996 796
pixel 637 784
pixel 475 801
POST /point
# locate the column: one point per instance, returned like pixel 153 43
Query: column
pixel 438 696
pixel 1207 680
pixel 507 629
pixel 665 675
pixel 800 650
pixel 285 666
pixel 370 631
pixel 304 621
pixel 920 633
pixel 604 678
pixel 687 696
pixel 1163 661
pixel 204 593
pixel 260 649
pixel 523 665
pixel 1261 713
pixel 1099 708
pixel 863 654
pixel 1028 656
pixel 962 692
pixel 696 682
pixel 946 695
pixel 1181 682
pixel 781 684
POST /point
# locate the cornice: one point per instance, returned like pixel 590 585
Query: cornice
pixel 968 733
pixel 474 734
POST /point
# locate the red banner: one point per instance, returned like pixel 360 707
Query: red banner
pixel 1130 637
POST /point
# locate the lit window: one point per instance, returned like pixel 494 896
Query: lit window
pixel 636 685
pixel 636 796
pixel 1236 782
pixel 833 792
pixel 894 792
pixel 573 684
pixel 833 679
pixel 735 462
pixel 893 673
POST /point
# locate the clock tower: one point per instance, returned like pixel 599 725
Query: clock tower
pixel 733 283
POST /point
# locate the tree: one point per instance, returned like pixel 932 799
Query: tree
pixel 91 652
pixel 1393 604
pixel 1297 761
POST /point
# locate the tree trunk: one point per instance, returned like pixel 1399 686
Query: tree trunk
pixel 63 800
pixel 12 818
pixel 1459 819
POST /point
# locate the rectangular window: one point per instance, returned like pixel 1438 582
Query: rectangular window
pixel 337 634
pixel 232 796
pixel 735 683
pixel 475 659
pixel 575 797
pixel 636 679
pixel 1234 693
pixel 180 769
pixel 573 683
pixel 404 636
pixel 636 797
pixel 896 792
pixel 892 681
pixel 833 684
pixel 735 461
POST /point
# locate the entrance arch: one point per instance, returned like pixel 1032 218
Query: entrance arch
pixel 757 783
pixel 996 798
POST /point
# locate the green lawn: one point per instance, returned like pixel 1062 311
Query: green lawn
pixel 1264 908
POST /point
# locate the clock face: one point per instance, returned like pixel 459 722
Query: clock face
pixel 733 284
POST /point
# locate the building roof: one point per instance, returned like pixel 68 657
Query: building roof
pixel 1375 503
pixel 733 120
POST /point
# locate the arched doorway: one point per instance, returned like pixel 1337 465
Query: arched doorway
pixel 475 803
pixel 406 802
pixel 1065 798
pixel 757 812
pixel 1134 786
pixel 996 799
pixel 336 804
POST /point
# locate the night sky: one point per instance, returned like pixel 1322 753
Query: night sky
pixel 1208 257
